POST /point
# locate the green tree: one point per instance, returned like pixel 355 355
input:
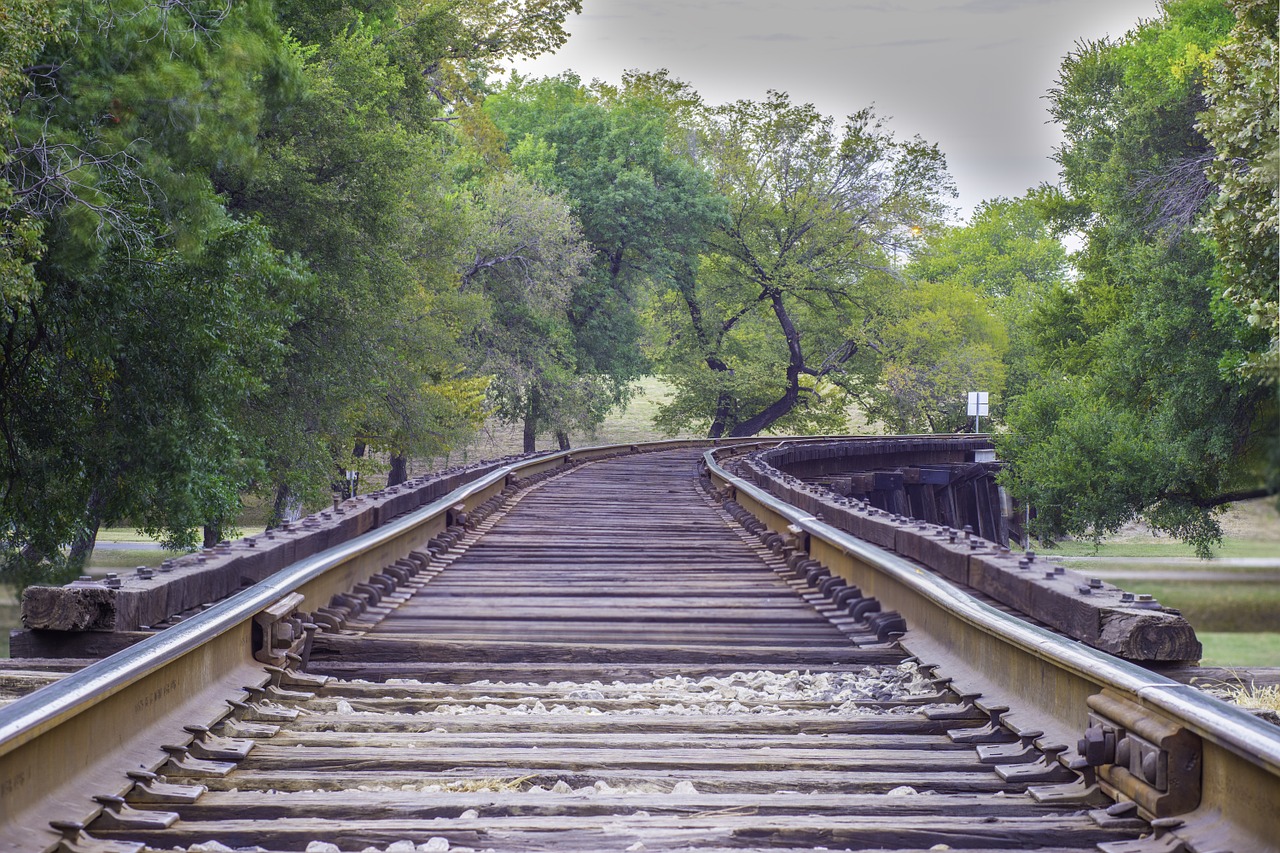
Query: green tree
pixel 1136 411
pixel 25 29
pixel 942 341
pixel 775 315
pixel 1242 123
pixel 150 313
pixel 643 208
pixel 526 255
pixel 1009 262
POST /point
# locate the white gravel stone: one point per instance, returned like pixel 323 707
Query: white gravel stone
pixel 323 847
pixel 469 814
pixel 438 844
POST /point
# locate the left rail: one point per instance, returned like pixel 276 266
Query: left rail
pixel 68 743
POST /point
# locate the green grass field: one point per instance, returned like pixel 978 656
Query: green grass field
pixel 1235 648
pixel 1235 547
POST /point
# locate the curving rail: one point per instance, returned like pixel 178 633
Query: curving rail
pixel 67 743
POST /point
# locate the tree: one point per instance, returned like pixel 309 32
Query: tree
pixel 1242 123
pixel 1133 413
pixel 643 208
pixel 356 176
pixel 1008 262
pixel 943 341
pixel 148 313
pixel 526 256
pixel 774 315
pixel 25 29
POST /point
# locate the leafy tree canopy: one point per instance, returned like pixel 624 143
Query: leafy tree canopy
pixel 1138 409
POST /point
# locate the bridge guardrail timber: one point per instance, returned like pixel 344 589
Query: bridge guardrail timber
pixel 1067 688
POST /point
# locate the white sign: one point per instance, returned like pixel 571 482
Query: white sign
pixel 978 404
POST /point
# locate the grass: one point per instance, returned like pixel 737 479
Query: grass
pixel 633 424
pixel 114 559
pixel 1251 648
pixel 1233 547
pixel 1218 606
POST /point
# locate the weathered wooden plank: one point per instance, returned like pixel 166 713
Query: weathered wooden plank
pixel 384 647
pixel 425 805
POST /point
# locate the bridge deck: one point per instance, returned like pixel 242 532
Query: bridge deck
pixel 608 663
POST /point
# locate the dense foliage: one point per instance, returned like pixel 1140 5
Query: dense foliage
pixel 251 248
pixel 1137 405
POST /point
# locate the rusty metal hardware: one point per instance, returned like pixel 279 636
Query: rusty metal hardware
pixel 1161 840
pixel 74 840
pixel 1082 791
pixel 993 732
pixel 1142 755
pixel 231 727
pixel 964 709
pixel 117 814
pixel 289 679
pixel 182 765
pixel 1046 768
pixel 148 789
pixel 256 713
pixel 276 630
pixel 1011 753
pixel 215 748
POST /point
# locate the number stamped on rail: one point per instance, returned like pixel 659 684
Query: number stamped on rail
pixel 156 695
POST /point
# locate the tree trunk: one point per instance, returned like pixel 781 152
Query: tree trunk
pixel 531 420
pixel 769 415
pixel 212 534
pixel 399 470
pixel 562 439
pixel 795 364
pixel 82 545
pixel 279 507
pixel 724 408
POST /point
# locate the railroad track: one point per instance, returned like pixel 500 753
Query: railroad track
pixel 638 653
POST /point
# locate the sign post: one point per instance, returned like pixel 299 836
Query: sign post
pixel 977 408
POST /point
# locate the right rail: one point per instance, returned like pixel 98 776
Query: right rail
pixel 1219 789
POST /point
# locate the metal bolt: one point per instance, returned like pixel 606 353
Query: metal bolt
pixel 113 580
pixel 1095 583
pixel 1031 556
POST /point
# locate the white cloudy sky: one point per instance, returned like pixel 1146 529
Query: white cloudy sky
pixel 967 74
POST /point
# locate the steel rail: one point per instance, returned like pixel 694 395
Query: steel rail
pixel 30 715
pixel 1242 735
pixel 73 739
pixel 201 662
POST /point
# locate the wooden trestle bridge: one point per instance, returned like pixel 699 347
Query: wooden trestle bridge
pixel 678 646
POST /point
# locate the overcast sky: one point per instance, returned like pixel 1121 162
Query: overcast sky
pixel 969 75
